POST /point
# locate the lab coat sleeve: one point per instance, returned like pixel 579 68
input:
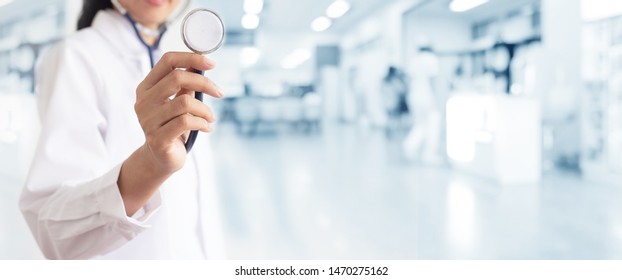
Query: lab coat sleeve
pixel 71 200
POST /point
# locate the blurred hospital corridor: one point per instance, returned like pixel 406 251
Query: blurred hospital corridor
pixel 375 129
pixel 320 197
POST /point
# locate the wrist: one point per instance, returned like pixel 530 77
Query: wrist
pixel 152 167
pixel 139 179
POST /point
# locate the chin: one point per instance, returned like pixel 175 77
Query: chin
pixel 154 17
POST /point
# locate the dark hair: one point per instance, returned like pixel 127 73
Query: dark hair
pixel 90 9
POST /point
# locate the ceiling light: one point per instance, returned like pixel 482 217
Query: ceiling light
pixel 337 9
pixel 250 21
pixel 320 24
pixel 5 2
pixel 460 6
pixel 253 6
pixel 296 58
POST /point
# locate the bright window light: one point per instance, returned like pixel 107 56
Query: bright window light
pixel 249 56
pixel 250 21
pixel 460 6
pixel 320 24
pixel 253 7
pixel 461 215
pixel 296 58
pixel 5 2
pixel 592 10
pixel 461 124
pixel 337 9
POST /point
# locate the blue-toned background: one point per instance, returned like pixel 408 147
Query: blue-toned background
pixel 511 147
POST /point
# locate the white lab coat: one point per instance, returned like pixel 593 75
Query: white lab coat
pixel 424 102
pixel 71 201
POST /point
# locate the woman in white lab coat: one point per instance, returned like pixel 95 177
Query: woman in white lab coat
pixel 111 178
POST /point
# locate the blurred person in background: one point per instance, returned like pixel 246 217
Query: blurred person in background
pixel 358 94
pixel 423 141
pixel 395 89
pixel 111 177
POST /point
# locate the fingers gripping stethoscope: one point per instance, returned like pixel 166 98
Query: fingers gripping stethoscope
pixel 203 32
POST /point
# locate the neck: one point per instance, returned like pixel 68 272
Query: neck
pixel 148 34
pixel 149 39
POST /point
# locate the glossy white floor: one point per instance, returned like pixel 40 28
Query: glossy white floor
pixel 346 194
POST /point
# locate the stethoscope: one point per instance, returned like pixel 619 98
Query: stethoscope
pixel 203 32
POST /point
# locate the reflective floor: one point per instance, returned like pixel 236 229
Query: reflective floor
pixel 345 193
pixel 16 242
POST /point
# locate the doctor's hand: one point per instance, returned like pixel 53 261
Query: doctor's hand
pixel 165 122
pixel 167 111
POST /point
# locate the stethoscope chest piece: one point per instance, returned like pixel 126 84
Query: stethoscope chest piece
pixel 203 31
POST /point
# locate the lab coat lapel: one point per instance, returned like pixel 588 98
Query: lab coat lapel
pixel 118 31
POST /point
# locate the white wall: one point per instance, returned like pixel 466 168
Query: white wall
pixel 561 35
pixel 592 10
pixel 366 49
pixel 517 29
pixel 72 13
pixel 445 34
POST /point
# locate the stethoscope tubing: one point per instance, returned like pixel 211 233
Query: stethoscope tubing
pixel 192 137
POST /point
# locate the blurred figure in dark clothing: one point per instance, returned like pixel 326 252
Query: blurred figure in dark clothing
pixel 395 89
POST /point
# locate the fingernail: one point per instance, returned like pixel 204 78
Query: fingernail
pixel 209 61
pixel 220 92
